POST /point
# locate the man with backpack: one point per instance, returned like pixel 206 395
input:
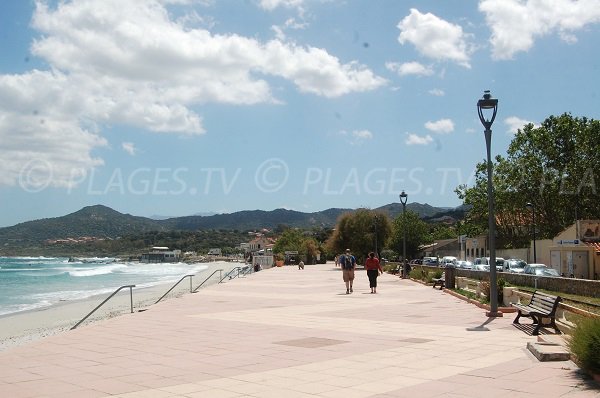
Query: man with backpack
pixel 348 263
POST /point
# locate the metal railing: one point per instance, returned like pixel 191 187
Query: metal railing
pixel 236 269
pixel 173 287
pixel 105 300
pixel 200 285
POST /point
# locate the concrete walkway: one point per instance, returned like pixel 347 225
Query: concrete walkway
pixel 287 333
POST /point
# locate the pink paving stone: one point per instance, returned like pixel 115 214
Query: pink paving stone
pixel 232 332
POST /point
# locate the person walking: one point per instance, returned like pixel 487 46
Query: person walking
pixel 348 264
pixel 373 270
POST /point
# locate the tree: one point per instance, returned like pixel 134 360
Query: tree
pixel 555 166
pixel 360 231
pixel 417 233
pixel 290 240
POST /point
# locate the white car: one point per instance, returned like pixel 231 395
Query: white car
pixel 514 265
pixel 464 264
pixel 540 270
pixel 448 261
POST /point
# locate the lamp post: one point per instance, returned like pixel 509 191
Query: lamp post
pixel 375 227
pixel 531 207
pixel 488 104
pixel 403 199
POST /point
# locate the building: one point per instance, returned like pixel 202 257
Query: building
pixel 215 252
pixel 575 251
pixel 161 254
pixel 261 243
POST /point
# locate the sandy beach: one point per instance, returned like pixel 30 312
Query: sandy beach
pixel 27 326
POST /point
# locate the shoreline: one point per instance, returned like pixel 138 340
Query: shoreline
pixel 23 327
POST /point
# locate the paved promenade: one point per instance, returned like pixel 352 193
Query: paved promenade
pixel 287 333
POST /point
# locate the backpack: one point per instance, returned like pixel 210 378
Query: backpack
pixel 347 261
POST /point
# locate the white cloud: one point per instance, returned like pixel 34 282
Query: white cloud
pixel 514 123
pixel 442 126
pixel 273 4
pixel 437 92
pixel 409 68
pixel 125 62
pixel 362 134
pixel 435 38
pixel 414 139
pixel 515 24
pixel 129 147
pixel 290 24
pixel 41 142
pixel 356 137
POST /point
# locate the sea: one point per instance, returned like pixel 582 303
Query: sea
pixel 28 283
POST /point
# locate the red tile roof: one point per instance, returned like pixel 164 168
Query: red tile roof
pixel 595 245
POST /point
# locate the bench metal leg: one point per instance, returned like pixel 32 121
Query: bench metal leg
pixel 518 316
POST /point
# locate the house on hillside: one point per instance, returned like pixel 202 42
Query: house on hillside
pixel 261 243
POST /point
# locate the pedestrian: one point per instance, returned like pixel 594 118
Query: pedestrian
pixel 348 264
pixel 301 265
pixel 373 270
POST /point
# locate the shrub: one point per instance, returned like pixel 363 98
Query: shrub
pixel 429 277
pixel 585 344
pixel 437 274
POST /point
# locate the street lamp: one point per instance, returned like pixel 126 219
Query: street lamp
pixel 488 104
pixel 375 226
pixel 531 207
pixel 403 199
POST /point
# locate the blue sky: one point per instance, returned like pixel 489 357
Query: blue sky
pixel 179 107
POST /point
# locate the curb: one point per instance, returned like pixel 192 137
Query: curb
pixel 478 304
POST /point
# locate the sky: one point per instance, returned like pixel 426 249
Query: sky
pixel 180 107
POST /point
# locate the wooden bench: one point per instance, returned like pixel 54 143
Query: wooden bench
pixel 541 306
pixel 440 281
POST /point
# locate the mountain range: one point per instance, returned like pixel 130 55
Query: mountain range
pixel 103 222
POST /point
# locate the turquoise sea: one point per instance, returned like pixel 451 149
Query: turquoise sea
pixel 28 283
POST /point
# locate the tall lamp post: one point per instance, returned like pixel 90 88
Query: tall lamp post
pixel 403 199
pixel 531 207
pixel 375 227
pixel 488 104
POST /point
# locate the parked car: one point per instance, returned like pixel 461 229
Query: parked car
pixel 514 265
pixel 480 267
pixel 499 263
pixel 430 261
pixel 448 261
pixel 540 270
pixel 464 264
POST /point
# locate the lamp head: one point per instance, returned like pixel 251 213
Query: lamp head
pixel 529 205
pixel 487 102
pixel 403 197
